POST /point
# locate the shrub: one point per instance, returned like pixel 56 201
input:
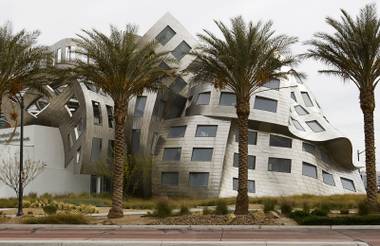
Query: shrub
pixel 221 208
pixel 298 214
pixel 162 209
pixel 346 220
pixel 326 207
pixel 50 209
pixel 363 208
pixel 26 204
pixel 286 208
pixel 319 212
pixel 268 205
pixel 73 219
pixel 206 211
pixel 8 203
pixel 184 210
pixel 306 207
pixel 344 211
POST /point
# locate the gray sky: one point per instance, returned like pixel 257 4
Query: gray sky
pixel 301 18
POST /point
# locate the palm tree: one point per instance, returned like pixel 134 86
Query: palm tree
pixel 123 67
pixel 22 62
pixel 352 52
pixel 247 56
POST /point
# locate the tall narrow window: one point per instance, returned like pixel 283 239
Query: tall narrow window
pixel 140 106
pixel 293 96
pixel 110 150
pixel 165 35
pixel 198 179
pixel 181 50
pixel 279 141
pixel 206 131
pixel 172 154
pixel 307 100
pixel 96 149
pixel 136 133
pixel 227 99
pixel 59 55
pixel 110 116
pixel 265 104
pixel 309 170
pixel 68 53
pixel 315 126
pixel 202 154
pixel 279 165
pixel 97 113
pixel 177 132
pixel 203 98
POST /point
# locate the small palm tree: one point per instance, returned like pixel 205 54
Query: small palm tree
pixel 22 62
pixel 247 56
pixel 352 52
pixel 123 67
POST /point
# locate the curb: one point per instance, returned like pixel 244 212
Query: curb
pixel 174 243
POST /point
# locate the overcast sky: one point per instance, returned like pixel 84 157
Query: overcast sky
pixel 300 18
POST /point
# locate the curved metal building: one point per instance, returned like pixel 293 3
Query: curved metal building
pixel 190 131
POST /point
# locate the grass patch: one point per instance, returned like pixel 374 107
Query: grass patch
pixel 73 219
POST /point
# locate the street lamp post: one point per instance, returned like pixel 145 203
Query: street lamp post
pixel 21 171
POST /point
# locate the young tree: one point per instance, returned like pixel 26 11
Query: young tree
pixel 247 56
pixel 352 52
pixel 10 170
pixel 123 67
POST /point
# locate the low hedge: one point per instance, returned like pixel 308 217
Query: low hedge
pixel 73 219
pixel 345 220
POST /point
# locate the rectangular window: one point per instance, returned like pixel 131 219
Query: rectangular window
pixel 78 155
pixel 59 55
pixel 178 85
pixel 315 126
pixel 306 98
pixel 227 99
pixel 140 106
pixel 96 149
pixel 169 178
pixel 181 50
pixel 306 147
pixel 278 141
pixel 252 137
pixel 202 154
pixel 279 165
pixel 348 184
pixel 297 125
pixel 111 148
pixel 293 96
pixel 251 185
pixel 136 133
pixel 68 53
pixel 203 98
pixel 97 113
pixel 273 84
pixel 328 178
pixel 300 110
pixel 309 170
pixel 172 154
pixel 206 131
pixel 110 116
pixel 251 161
pixel 177 132
pixel 265 104
pixel 198 179
pixel 165 35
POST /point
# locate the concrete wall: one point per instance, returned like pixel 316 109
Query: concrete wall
pixel 44 144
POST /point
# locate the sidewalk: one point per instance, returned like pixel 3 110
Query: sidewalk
pixel 92 235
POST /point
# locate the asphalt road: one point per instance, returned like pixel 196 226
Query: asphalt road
pixel 370 236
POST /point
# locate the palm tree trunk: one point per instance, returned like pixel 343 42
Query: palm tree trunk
pixel 367 104
pixel 119 159
pixel 242 200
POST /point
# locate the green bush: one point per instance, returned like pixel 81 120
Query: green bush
pixel 306 207
pixel 8 203
pixel 163 209
pixel 319 212
pixel 206 211
pixel 221 208
pixel 269 205
pixel 73 219
pixel 184 210
pixel 50 209
pixel 363 208
pixel 286 208
pixel 298 214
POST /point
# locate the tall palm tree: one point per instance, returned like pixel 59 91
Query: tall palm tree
pixel 22 62
pixel 123 67
pixel 352 52
pixel 247 56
